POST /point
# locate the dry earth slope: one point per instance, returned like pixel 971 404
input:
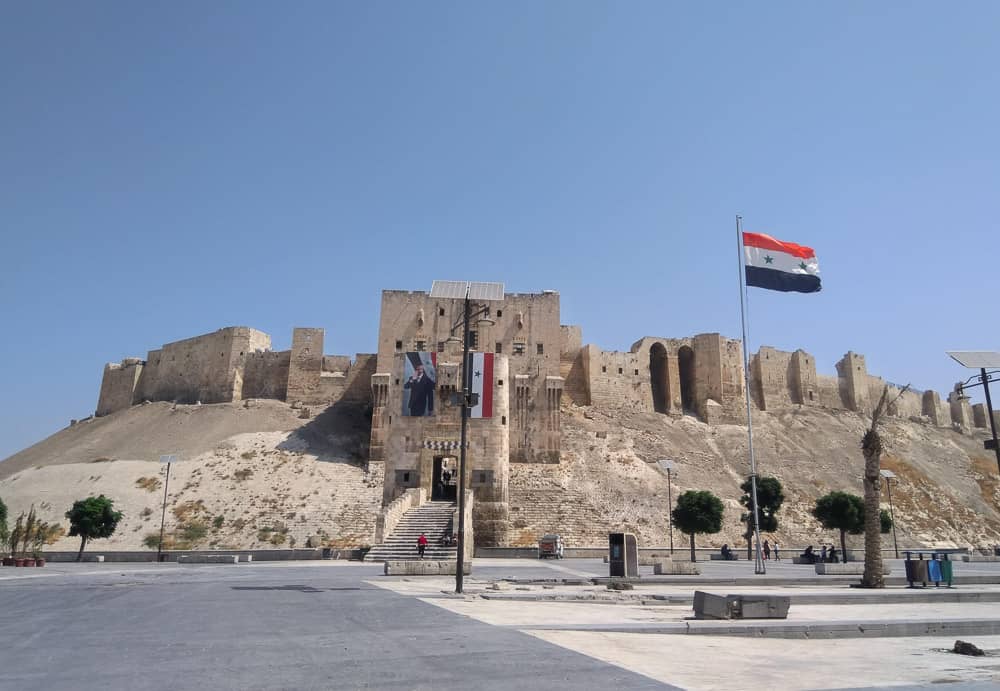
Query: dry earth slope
pixel 257 474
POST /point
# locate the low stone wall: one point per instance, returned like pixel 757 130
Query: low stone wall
pixel 208 559
pixel 244 555
pixel 423 567
pixel 849 569
pixel 390 516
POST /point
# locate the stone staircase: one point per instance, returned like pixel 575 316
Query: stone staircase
pixel 433 519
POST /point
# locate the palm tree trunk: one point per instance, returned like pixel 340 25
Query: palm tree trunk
pixel 873 577
pixel 83 543
pixel 693 558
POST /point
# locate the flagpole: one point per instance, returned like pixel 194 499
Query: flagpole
pixel 759 567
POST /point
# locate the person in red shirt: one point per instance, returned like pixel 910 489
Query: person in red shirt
pixel 421 545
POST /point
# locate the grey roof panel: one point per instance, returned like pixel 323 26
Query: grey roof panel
pixel 976 359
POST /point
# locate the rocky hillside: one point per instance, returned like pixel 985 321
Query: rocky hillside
pixel 263 473
pixel 947 494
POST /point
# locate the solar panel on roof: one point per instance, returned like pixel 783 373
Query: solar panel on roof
pixel 485 291
pixel 476 290
pixel 976 359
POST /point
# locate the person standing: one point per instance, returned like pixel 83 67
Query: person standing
pixel 421 545
pixel 767 549
pixel 777 555
pixel 822 554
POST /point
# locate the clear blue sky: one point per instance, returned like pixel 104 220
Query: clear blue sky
pixel 171 168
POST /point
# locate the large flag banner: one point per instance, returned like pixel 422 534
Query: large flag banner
pixel 420 375
pixel 778 265
pixel 481 382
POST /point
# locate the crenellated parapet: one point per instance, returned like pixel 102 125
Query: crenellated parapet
pixel 703 375
pixel 232 364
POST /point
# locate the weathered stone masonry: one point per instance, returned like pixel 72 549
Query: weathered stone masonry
pixel 537 362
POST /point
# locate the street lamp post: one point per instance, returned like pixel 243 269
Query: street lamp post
pixel 465 291
pixel 159 547
pixel 983 361
pixel 889 475
pixel 668 466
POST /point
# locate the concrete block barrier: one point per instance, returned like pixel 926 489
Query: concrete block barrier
pixel 710 606
pixel 848 569
pixel 425 568
pixel 675 568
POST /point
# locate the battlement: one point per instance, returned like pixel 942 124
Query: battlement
pixel 703 375
pixel 231 364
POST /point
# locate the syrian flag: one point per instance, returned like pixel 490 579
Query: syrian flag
pixel 778 265
pixel 481 382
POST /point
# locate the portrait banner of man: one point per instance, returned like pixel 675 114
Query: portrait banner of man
pixel 420 378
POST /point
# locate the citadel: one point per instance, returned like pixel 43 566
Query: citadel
pixel 538 365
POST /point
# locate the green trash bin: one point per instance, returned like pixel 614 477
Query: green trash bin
pixel 946 569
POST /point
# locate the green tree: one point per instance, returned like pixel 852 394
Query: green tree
pixel 885 521
pixel 846 513
pixel 770 497
pixel 698 512
pixel 92 518
pixel 841 511
pixel 4 531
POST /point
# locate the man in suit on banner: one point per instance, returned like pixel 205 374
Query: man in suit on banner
pixel 421 388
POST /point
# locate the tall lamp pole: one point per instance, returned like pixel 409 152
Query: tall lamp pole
pixel 668 466
pixel 982 360
pixel 159 547
pixel 889 476
pixel 466 291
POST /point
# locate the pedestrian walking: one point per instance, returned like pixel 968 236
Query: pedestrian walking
pixel 777 556
pixel 421 545
pixel 822 554
pixel 767 549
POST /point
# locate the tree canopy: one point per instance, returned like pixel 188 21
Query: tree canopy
pixel 698 512
pixel 770 497
pixel 92 518
pixel 846 512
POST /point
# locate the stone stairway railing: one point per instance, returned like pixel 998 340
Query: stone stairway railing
pixel 433 519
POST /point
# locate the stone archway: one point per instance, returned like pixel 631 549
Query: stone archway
pixel 685 363
pixel 658 378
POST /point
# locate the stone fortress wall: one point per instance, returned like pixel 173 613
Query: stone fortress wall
pixel 537 361
pixel 236 363
pixel 703 375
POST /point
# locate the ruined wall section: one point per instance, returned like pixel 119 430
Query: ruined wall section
pixel 206 368
pixel 614 377
pixel 571 365
pixel 265 374
pixel 306 365
pixel 771 379
pixel 118 385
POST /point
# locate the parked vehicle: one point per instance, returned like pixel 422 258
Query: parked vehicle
pixel 550 545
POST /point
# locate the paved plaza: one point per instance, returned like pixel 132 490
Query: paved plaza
pixel 522 623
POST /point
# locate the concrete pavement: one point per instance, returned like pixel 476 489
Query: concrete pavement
pixel 521 623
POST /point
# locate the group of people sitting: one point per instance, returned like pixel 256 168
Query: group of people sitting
pixel 448 540
pixel 825 555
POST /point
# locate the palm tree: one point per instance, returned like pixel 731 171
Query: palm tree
pixel 872 448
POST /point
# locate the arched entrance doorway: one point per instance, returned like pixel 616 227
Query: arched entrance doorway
pixel 685 363
pixel 658 377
